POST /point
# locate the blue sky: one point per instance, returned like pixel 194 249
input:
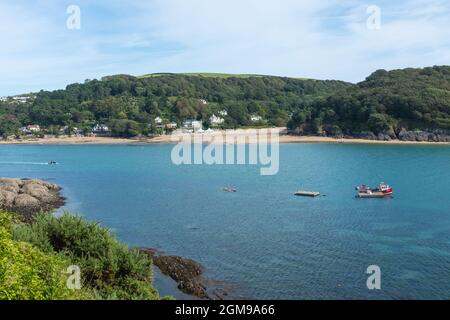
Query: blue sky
pixel 322 39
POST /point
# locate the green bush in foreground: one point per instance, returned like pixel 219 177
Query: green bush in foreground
pixel 26 273
pixel 108 268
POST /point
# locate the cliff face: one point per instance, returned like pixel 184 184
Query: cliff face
pixel 28 197
pixel 404 135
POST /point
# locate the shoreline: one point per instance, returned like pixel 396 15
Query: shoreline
pixel 206 138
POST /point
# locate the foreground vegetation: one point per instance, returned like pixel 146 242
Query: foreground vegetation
pixel 34 258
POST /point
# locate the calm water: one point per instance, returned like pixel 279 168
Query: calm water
pixel 263 240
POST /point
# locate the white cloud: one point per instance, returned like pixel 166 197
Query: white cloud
pixel 304 38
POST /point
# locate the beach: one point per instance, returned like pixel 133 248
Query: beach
pixel 241 136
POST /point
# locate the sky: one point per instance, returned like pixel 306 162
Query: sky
pixel 320 39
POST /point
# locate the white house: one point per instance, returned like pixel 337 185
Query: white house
pixel 203 101
pixel 74 130
pixel 100 129
pixel 216 121
pixel 3 99
pixel 255 118
pixel 24 130
pixel 192 125
pixel 158 120
pixel 20 99
pixel 223 113
pixel 34 128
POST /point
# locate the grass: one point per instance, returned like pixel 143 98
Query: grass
pixel 205 75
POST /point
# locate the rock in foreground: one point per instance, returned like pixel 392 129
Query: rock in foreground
pixel 28 197
pixel 188 275
pixel 185 272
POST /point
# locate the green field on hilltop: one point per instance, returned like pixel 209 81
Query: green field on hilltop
pixel 205 75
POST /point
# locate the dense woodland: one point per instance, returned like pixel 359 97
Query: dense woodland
pixel 385 101
pixel 407 99
pixel 129 104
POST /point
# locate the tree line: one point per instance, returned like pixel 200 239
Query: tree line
pixel 130 104
pixel 385 101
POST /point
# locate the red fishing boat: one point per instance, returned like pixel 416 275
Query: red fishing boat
pixel 385 189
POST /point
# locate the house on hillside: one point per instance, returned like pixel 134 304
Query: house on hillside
pixel 216 121
pixel 21 99
pixel 203 101
pixel 171 126
pixel 68 130
pixel 223 113
pixel 255 118
pixel 190 125
pixel 159 123
pixel 34 128
pixel 101 130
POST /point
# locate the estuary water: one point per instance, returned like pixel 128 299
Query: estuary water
pixel 263 241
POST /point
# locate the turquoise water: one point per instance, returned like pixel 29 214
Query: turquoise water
pixel 262 240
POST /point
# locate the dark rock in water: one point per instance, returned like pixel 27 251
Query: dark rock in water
pixel 28 197
pixel 186 272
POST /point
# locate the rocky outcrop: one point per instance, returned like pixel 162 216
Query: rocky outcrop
pixel 28 197
pixel 437 135
pixel 430 136
pixel 188 275
pixel 368 135
pixel 185 272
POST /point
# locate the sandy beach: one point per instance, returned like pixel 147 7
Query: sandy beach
pixel 241 136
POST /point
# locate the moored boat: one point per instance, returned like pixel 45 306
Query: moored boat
pixel 383 190
pixel 307 194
